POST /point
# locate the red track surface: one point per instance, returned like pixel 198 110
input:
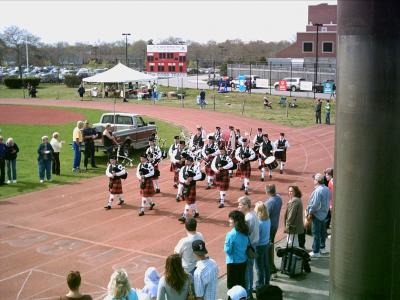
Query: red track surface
pixel 45 234
pixel 17 114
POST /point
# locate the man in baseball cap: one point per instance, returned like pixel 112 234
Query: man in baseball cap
pixel 205 276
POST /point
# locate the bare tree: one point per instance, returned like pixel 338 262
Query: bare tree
pixel 14 38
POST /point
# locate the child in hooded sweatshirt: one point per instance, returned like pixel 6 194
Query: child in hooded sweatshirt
pixel 151 279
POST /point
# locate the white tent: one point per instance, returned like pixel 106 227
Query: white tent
pixel 120 74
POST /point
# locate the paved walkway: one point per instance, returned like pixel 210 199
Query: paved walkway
pixel 311 286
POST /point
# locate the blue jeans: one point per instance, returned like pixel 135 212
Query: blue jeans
pixel 12 169
pixel 249 275
pixel 45 167
pixel 262 265
pixel 77 155
pixel 328 117
pixel 319 234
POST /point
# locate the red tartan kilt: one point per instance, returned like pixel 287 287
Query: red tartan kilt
pixel 244 170
pixel 155 168
pixel 115 186
pixel 222 180
pixel 189 197
pixel 148 190
pixel 209 171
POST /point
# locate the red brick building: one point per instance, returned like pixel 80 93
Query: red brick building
pixel 305 45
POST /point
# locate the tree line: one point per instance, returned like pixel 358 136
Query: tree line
pixel 14 40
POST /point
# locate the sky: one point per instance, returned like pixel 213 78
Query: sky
pixel 200 21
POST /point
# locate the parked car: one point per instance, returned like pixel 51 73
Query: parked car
pixel 252 78
pixel 292 83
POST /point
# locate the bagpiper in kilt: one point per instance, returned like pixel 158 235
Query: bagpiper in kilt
pixel 231 147
pixel 281 145
pixel 114 172
pixel 244 154
pixel 197 139
pixel 145 173
pixel 265 151
pixel 258 139
pixel 188 175
pixel 218 135
pixel 178 161
pixel 154 155
pixel 221 165
pixel 209 151
pixel 171 151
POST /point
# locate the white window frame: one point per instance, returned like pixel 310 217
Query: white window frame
pixel 326 42
pixel 312 43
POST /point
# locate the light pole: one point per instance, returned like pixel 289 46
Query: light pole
pixel 126 47
pixel 27 55
pixel 316 59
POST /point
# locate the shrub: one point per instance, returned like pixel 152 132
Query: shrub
pixel 72 80
pixel 32 80
pixel 13 83
pixel 17 83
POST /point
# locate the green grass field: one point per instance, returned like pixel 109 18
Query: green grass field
pixel 249 105
pixel 28 138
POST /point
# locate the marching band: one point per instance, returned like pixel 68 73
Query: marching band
pixel 215 160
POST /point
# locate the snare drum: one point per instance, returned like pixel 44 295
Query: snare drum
pixel 278 153
pixel 271 162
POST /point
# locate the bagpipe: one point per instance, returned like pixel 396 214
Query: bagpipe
pixel 152 157
pixel 209 159
pixel 220 163
pixel 161 144
pixel 117 169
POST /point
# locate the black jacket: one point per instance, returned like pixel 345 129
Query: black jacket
pixel 11 151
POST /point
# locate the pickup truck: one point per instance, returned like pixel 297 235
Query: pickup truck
pixel 130 130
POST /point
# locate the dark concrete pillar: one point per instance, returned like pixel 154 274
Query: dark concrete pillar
pixel 365 252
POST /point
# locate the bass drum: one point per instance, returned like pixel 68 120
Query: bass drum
pixel 271 162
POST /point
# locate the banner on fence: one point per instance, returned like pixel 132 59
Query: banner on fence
pixel 306 86
pixel 282 85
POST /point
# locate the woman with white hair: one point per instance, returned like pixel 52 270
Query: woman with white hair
pixel 11 160
pixel 119 287
pixel 45 159
pixel 56 144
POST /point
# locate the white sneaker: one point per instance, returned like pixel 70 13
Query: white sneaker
pixel 14 181
pixel 8 181
pixel 315 255
pixel 41 181
pixel 323 251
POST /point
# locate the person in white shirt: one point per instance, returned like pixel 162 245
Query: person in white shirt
pixel 244 205
pixel 188 175
pixel 281 145
pixel 209 151
pixel 154 155
pixel 221 165
pixel 205 276
pixel 57 145
pixel 172 167
pixel 184 246
pixel 244 154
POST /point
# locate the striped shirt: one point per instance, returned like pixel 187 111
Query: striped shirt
pixel 206 279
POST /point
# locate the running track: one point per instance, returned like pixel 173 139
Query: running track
pixel 45 234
